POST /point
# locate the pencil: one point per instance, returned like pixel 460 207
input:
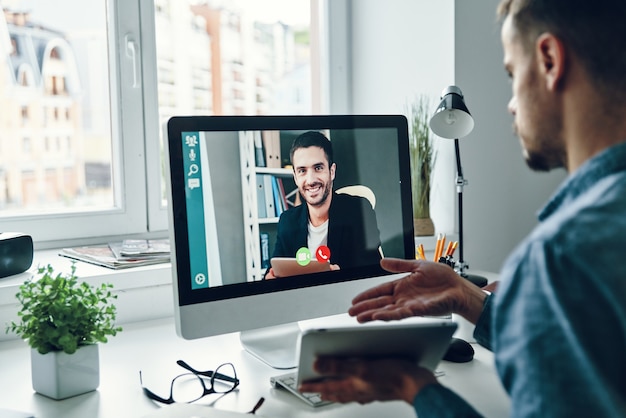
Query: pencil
pixel 441 242
pixel 449 249
pixel 420 250
pixel 454 245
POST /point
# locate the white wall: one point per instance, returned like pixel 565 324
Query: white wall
pixel 397 54
pixel 503 196
pixel 422 46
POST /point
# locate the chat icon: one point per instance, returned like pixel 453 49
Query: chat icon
pixel 193 183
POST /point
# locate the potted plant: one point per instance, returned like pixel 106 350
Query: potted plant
pixel 422 162
pixel 63 320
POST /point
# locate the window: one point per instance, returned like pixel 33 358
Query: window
pixel 91 83
pixel 59 61
pixel 238 57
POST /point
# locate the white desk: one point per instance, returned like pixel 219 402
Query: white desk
pixel 153 347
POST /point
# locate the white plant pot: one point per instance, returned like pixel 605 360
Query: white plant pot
pixel 58 375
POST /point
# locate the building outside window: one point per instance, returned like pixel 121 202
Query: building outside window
pixel 104 76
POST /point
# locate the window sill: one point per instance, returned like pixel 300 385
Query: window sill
pixel 143 293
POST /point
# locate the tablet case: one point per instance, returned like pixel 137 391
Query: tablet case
pixel 288 266
pixel 424 343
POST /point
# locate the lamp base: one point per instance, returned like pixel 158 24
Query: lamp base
pixel 479 281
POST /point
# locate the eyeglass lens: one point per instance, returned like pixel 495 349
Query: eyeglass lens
pixel 190 387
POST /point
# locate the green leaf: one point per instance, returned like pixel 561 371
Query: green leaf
pixel 422 155
pixel 59 313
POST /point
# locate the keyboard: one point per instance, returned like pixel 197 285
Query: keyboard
pixel 288 381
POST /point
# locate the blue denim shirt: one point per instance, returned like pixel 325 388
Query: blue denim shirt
pixel 557 323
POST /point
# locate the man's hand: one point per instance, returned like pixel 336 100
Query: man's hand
pixel 367 380
pixel 429 289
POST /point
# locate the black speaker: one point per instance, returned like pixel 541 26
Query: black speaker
pixel 16 253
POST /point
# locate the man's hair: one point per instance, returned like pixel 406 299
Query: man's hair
pixel 594 30
pixel 313 139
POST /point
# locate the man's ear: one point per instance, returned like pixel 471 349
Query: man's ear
pixel 333 167
pixel 551 60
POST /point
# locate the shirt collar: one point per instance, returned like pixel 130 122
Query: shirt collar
pixel 607 162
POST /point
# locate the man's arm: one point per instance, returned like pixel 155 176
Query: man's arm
pixel 428 289
pixel 368 380
pixel 556 324
pixel 482 332
pixel 439 401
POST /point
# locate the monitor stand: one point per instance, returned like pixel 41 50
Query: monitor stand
pixel 275 346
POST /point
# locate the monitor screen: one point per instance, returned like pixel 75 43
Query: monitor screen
pixel 258 227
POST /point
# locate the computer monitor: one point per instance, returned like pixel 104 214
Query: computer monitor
pixel 232 189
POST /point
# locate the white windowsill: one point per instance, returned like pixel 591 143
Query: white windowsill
pixel 143 293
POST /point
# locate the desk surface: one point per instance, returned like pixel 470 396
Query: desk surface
pixel 153 347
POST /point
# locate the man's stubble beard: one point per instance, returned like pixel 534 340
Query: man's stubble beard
pixel 327 191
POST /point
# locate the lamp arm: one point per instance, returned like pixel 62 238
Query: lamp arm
pixel 460 182
pixel 459 169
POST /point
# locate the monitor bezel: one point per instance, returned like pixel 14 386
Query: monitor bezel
pixel 177 204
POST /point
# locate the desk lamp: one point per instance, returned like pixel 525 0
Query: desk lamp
pixel 452 120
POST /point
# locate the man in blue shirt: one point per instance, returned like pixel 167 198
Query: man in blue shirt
pixel 557 322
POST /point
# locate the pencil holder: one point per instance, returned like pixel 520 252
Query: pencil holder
pixel 449 261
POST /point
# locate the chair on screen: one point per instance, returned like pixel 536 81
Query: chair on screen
pixel 361 191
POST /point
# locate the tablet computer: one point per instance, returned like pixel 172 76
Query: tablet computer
pixel 425 343
pixel 288 266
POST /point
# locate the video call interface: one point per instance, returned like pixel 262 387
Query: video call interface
pixel 238 185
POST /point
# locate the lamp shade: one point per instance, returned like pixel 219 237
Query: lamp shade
pixel 452 119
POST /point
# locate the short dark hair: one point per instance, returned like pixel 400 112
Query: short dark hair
pixel 594 30
pixel 313 139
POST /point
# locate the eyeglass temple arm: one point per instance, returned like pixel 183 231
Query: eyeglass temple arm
pixel 208 373
pixel 257 406
pixel 151 394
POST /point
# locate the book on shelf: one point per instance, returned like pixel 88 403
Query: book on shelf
pixel 271 144
pixel 110 255
pixel 265 250
pixel 278 204
pixel 260 196
pixel 259 152
pixel 272 200
pixel 270 209
pixel 283 195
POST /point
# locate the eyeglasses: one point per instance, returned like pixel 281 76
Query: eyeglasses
pixel 189 387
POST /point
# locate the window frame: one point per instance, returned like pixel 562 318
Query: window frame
pixel 157 216
pixel 138 209
pixel 128 216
